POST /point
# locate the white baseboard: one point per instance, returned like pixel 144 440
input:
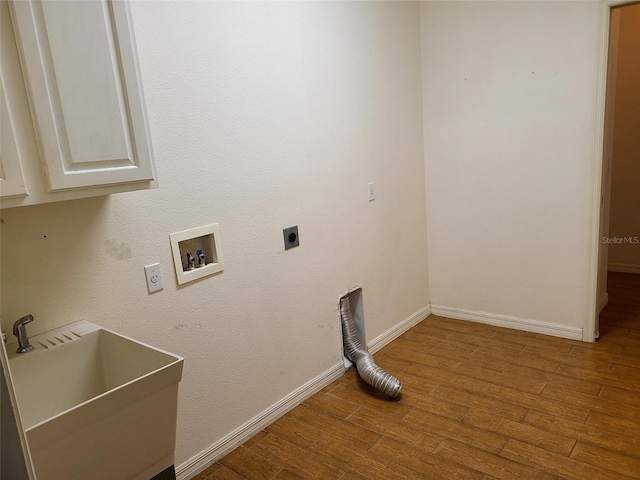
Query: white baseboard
pixel 536 326
pixel 603 302
pixel 394 332
pixel 210 455
pixel 213 453
pixel 623 268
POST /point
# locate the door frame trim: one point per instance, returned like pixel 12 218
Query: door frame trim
pixel 589 333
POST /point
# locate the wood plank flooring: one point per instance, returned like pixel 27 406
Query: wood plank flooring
pixel 478 402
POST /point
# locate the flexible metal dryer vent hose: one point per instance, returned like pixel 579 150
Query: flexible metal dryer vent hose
pixel 367 368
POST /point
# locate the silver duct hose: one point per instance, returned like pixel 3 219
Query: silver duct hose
pixel 367 368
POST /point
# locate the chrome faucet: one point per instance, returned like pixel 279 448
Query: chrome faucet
pixel 20 331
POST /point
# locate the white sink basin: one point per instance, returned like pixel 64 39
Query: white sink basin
pixel 96 405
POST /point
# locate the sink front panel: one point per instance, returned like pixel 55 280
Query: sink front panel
pixel 133 442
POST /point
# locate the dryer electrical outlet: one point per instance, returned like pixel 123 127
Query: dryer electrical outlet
pixel 291 238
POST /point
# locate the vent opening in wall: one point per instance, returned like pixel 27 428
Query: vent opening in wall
pixel 357 314
pixel 196 252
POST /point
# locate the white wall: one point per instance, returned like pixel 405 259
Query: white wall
pixel 262 115
pixel 509 119
pixel 624 224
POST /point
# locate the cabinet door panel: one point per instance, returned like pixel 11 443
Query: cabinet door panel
pixel 80 68
pixel 11 177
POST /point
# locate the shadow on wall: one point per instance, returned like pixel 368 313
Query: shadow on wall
pixel 43 247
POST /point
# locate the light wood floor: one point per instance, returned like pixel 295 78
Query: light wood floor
pixel 478 402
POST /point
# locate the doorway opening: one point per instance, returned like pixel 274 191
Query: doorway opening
pixel 619 209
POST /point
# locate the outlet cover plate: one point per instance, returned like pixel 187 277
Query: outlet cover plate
pixel 154 277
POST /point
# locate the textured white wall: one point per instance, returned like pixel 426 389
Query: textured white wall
pixel 509 118
pixel 625 193
pixel 262 115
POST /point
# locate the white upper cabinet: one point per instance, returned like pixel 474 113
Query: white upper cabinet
pixel 79 66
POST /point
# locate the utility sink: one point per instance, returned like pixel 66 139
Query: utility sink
pixel 96 405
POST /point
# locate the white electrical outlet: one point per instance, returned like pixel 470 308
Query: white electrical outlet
pixel 154 277
pixel 372 191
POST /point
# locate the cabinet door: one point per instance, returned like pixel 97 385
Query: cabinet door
pixel 11 177
pixel 80 68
